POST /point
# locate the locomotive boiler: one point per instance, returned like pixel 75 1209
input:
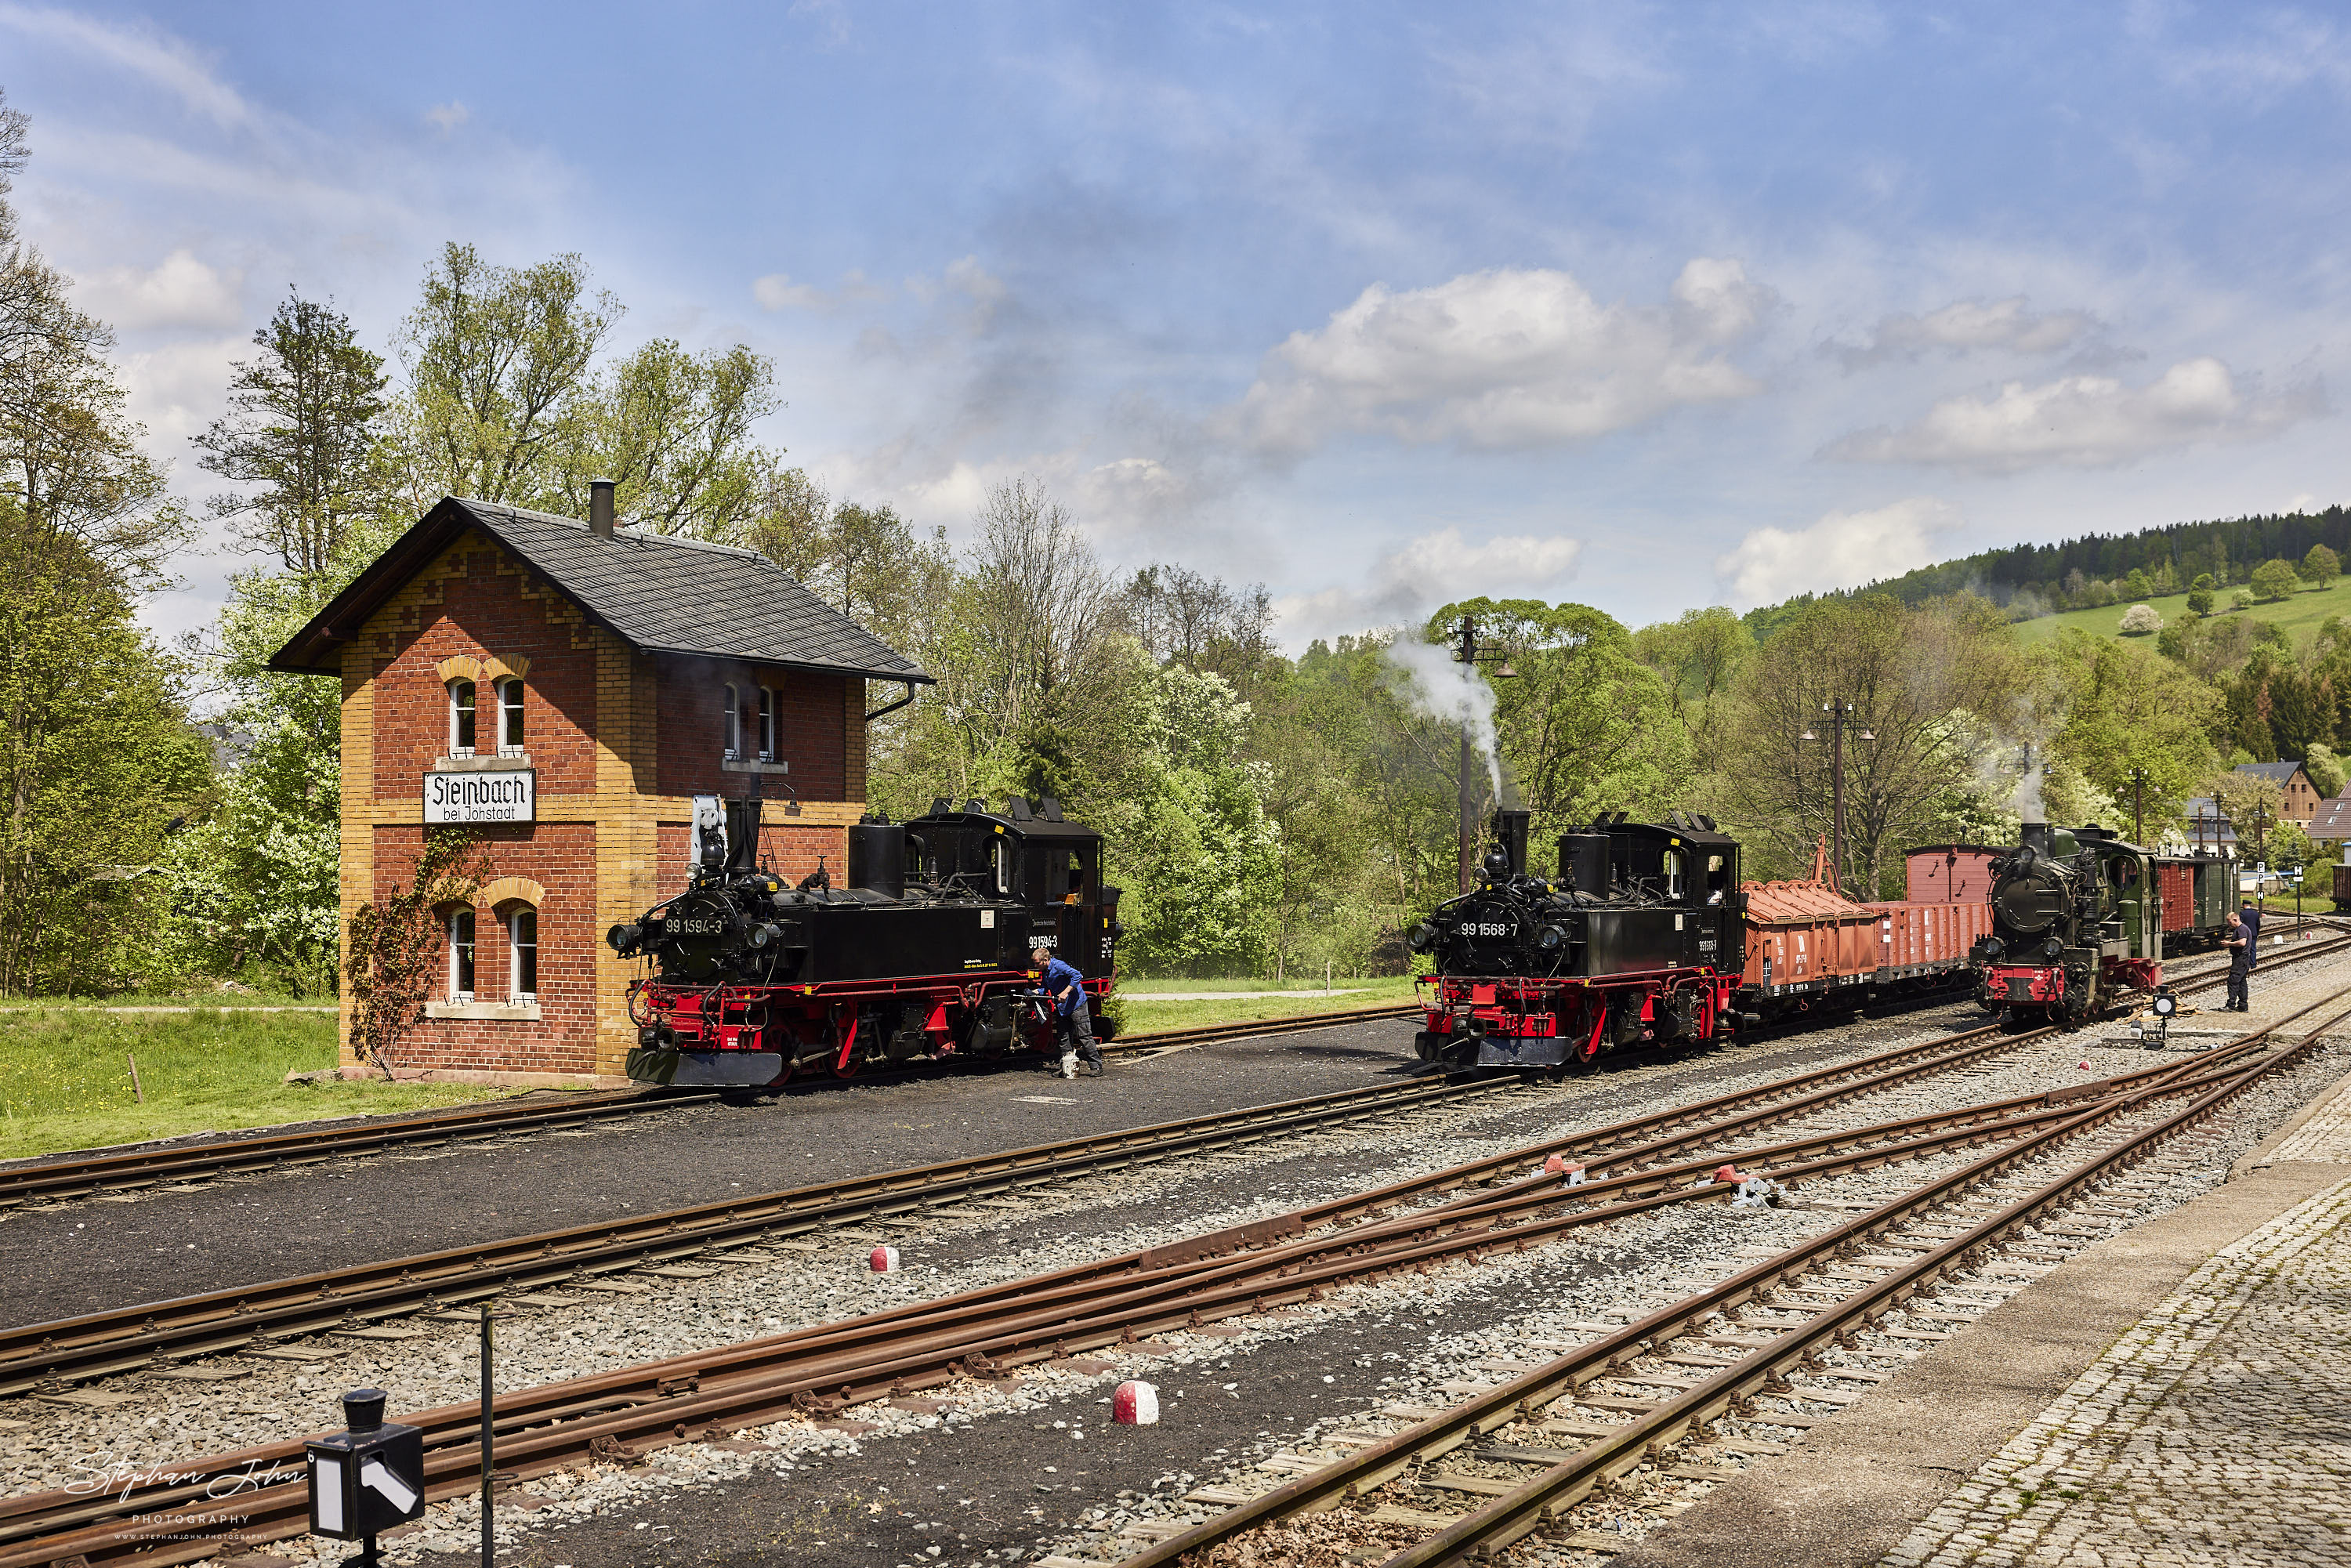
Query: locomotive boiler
pixel 923 953
pixel 1636 938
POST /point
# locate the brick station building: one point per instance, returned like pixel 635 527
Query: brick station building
pixel 569 688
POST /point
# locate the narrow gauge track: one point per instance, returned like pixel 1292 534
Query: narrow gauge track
pixel 989 1332
pixel 147 1168
pixel 44 1357
pixel 47 1357
pixel 1925 1238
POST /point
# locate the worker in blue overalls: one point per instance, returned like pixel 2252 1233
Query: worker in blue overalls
pixel 1073 1022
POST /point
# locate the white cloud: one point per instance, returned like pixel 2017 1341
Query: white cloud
pixel 2086 422
pixel 167 62
pixel 180 292
pixel 177 390
pixel 446 117
pixel 1967 326
pixel 1504 359
pixel 776 291
pixel 1843 549
pixel 1431 570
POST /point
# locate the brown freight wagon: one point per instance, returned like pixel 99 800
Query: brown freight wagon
pixel 1809 945
pixel 1951 873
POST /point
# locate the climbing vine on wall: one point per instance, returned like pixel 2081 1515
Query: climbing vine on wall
pixel 396 952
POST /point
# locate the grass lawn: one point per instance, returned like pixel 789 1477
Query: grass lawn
pixel 1144 1015
pixel 65 1082
pixel 2300 613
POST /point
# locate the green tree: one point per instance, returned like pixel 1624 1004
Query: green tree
pixel 2275 579
pixel 2129 711
pixel 2204 583
pixel 2200 600
pixel 1699 657
pixel 672 429
pixel 2320 567
pixel 304 419
pixel 495 357
pixel 2137 584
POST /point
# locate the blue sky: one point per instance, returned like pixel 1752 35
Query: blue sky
pixel 1381 304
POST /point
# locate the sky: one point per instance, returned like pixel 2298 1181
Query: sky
pixel 1379 304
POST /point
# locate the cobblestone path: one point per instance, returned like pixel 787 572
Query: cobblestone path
pixel 2216 1431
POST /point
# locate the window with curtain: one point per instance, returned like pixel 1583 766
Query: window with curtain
pixel 522 944
pixel 461 718
pixel 461 955
pixel 734 725
pixel 767 725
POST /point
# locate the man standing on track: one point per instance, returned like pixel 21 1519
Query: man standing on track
pixel 1072 1022
pixel 2239 942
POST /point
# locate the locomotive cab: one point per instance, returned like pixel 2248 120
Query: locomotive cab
pixel 1028 854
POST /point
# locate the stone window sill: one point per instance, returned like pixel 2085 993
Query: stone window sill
pixel 478 763
pixel 496 1012
pixel 745 765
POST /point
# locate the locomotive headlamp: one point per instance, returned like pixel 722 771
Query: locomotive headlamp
pixel 763 933
pixel 2052 948
pixel 1551 939
pixel 623 938
pixel 1421 937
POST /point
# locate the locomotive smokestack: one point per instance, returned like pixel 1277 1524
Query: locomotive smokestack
pixel 600 507
pixel 1511 829
pixel 2035 837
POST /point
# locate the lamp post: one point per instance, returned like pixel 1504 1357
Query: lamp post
pixel 1840 714
pixel 1468 654
pixel 2139 778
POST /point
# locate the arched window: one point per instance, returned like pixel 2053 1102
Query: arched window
pixel 510 715
pixel 767 725
pixel 733 730
pixel 461 718
pixel 522 949
pixel 461 955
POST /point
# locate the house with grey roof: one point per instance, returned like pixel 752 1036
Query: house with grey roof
pixel 565 691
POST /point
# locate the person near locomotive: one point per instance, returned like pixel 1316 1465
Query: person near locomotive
pixel 2240 942
pixel 1072 1022
pixel 2249 917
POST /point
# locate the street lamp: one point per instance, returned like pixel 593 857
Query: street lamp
pixel 2139 778
pixel 1840 714
pixel 1469 653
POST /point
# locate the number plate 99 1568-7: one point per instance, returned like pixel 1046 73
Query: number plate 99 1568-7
pixel 1488 928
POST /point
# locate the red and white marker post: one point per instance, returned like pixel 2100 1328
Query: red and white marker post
pixel 1135 1403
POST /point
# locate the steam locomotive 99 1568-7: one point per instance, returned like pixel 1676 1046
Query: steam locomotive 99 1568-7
pixel 2083 920
pixel 1636 938
pixel 924 954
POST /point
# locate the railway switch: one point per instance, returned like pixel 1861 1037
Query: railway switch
pixel 368 1479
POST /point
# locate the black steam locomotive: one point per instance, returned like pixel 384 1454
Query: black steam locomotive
pixel 1638 937
pixel 924 954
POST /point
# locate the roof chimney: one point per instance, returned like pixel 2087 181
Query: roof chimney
pixel 600 507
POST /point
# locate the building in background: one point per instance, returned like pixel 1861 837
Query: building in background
pixel 2298 798
pixel 567 689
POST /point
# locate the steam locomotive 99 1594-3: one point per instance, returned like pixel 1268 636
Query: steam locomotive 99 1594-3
pixel 2083 920
pixel 924 954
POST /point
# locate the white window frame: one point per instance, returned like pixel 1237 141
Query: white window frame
pixel 767 724
pixel 516 989
pixel 464 953
pixel 458 747
pixel 511 727
pixel 731 733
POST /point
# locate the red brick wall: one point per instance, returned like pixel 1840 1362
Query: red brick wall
pixel 489 613
pixel 561 857
pixel 791 848
pixel 809 727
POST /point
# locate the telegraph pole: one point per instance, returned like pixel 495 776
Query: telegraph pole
pixel 1840 714
pixel 1467 653
pixel 2138 806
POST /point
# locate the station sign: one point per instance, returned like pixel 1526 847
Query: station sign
pixel 500 797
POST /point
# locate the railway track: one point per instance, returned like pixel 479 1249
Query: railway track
pixel 137 1169
pixel 1466 1211
pixel 1691 1363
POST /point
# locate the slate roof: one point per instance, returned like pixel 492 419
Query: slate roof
pixel 2278 773
pixel 2216 832
pixel 657 594
pixel 2332 822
